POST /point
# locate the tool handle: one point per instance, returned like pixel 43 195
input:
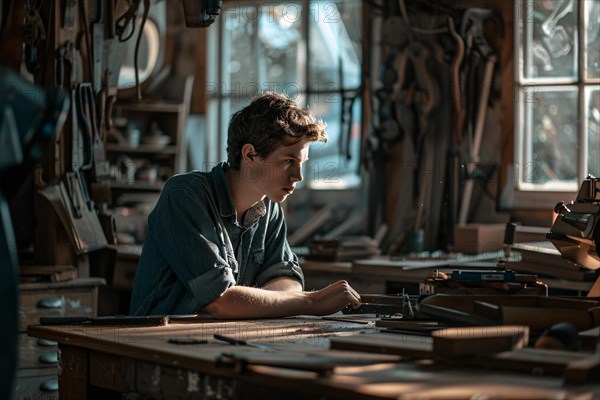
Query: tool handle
pixel 227 339
pixel 509 233
pixel 381 299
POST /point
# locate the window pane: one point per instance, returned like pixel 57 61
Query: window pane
pixel 334 38
pixel 551 143
pixel 262 48
pixel 593 132
pixel 328 166
pixel 592 23
pixel 239 63
pixel 549 37
pixel 281 47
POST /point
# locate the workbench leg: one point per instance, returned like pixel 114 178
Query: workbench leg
pixel 73 373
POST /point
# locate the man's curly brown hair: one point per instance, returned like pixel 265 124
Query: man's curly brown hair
pixel 270 120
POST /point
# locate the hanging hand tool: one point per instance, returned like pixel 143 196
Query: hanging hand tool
pixel 453 155
pixel 111 19
pixel 474 19
pixel 137 49
pixel 128 18
pixel 101 165
pixel 456 84
pixel 346 115
pixel 98 46
pixel 61 55
pixel 69 16
pixel 34 33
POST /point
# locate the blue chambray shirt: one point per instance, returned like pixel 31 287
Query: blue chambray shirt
pixel 195 249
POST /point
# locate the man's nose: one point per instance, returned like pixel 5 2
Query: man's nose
pixel 296 174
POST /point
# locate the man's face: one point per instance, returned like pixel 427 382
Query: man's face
pixel 277 174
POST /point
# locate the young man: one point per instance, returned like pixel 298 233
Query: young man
pixel 216 240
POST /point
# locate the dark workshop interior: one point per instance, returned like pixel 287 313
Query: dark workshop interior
pixel 457 198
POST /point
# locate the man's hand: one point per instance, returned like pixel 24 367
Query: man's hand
pixel 247 302
pixel 333 298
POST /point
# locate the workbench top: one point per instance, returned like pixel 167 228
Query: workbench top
pixel 298 359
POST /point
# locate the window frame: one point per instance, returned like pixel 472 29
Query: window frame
pixel 530 196
pixel 217 116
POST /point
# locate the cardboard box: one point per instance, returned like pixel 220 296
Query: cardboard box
pixel 478 238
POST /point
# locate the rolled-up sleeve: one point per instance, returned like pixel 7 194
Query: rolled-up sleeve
pixel 187 237
pixel 279 259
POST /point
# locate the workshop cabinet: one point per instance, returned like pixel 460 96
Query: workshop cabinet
pixel 146 146
pixel 37 374
pixel 152 138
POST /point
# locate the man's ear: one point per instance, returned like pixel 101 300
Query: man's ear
pixel 248 152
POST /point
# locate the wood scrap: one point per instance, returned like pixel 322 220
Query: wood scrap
pixel 540 361
pixel 402 345
pixel 476 340
pixel 406 325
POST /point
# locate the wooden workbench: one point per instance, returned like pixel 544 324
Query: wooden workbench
pixel 105 362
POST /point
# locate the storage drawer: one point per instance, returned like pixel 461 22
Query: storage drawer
pixel 36 353
pixel 36 384
pixel 55 303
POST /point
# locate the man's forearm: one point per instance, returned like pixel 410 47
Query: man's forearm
pixel 283 283
pixel 249 302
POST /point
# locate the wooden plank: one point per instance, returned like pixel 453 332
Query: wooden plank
pixel 584 370
pixel 402 345
pixel 479 339
pixel 465 303
pixel 535 361
pixel 406 325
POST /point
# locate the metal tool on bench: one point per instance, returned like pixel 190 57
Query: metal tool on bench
pixel 576 230
pixel 241 342
pixel 115 320
pixel 382 304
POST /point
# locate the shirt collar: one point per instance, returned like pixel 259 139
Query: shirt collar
pixel 226 207
pixel 253 214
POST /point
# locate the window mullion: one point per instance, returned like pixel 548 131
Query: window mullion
pixel 260 59
pixel 223 54
pixel 306 27
pixel 581 109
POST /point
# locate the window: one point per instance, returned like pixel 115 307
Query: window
pixel 557 126
pixel 309 50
